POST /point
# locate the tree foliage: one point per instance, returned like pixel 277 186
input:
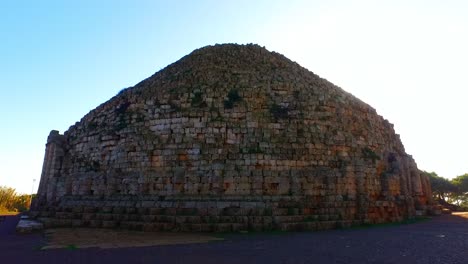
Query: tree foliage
pixel 11 201
pixel 461 183
pixel 441 187
pixel 453 191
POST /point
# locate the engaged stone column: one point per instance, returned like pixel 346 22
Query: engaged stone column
pixel 50 169
pixel 427 188
pixel 417 185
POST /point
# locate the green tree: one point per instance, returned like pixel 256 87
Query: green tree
pixel 461 182
pixel 442 188
pixel 460 197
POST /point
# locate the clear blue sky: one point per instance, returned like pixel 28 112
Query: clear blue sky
pixel 61 59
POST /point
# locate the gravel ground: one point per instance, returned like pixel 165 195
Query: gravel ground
pixel 442 239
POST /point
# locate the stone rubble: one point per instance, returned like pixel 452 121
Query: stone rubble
pixel 26 225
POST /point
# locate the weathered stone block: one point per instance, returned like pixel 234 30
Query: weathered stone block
pixel 214 142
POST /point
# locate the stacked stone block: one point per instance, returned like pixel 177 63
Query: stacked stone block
pixel 230 137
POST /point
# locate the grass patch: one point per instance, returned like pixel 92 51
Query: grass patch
pixel 71 247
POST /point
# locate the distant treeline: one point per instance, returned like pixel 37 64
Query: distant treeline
pixel 454 191
pixel 13 202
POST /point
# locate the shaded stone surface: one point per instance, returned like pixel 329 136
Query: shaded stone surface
pixel 230 137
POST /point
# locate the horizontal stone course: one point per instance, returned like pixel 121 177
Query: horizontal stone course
pixel 229 138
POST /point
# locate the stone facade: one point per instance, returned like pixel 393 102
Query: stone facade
pixel 230 137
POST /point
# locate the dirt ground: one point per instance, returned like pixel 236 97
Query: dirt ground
pixel 440 240
pixel 461 214
pixel 5 213
pixel 107 238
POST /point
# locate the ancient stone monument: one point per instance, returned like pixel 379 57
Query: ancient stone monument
pixel 230 137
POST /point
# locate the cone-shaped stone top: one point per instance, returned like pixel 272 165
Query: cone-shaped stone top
pixel 265 83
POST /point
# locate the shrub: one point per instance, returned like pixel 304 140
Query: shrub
pixel 11 201
pixel 197 100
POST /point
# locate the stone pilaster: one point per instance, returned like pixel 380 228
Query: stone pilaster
pixel 55 151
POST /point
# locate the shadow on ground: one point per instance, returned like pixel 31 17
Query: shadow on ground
pixel 441 239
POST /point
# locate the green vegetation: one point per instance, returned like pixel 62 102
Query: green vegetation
pixel 254 150
pixel 71 247
pixel 10 201
pixel 121 124
pixel 453 191
pixel 368 153
pixel 197 100
pixel 233 97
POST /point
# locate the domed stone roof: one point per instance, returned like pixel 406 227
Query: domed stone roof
pixel 232 137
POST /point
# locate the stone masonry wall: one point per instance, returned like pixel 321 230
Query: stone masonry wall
pixel 228 138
